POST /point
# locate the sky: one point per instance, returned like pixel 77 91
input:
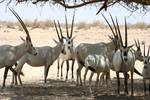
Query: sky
pixel 29 11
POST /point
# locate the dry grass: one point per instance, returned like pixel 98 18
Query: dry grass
pixel 140 25
pixel 81 25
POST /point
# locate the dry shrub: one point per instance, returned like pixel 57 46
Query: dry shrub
pixel 41 24
pixel 139 25
pixel 84 25
pixel 10 25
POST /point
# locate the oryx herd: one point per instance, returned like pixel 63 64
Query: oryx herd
pixel 116 55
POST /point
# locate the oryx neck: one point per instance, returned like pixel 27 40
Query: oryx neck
pixel 20 50
pixel 56 51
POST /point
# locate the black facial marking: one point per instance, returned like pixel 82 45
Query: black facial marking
pixel 125 53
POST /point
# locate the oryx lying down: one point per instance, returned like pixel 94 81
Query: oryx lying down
pixel 69 48
pixel 10 54
pixel 45 57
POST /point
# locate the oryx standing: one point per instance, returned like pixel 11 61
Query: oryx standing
pixel 85 49
pixel 146 69
pixel 123 61
pixel 10 54
pixel 45 57
pixel 69 48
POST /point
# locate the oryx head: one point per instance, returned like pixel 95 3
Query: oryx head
pixel 60 38
pixel 146 58
pixel 28 43
pixel 138 50
pixel 124 48
pixel 69 39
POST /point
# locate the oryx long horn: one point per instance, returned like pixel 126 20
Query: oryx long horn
pixel 126 36
pixel 60 29
pixel 138 44
pixel 56 30
pixel 109 25
pixel 144 50
pixel 66 26
pixel 119 33
pixel 148 51
pixel 21 22
pixel 114 26
pixel 72 25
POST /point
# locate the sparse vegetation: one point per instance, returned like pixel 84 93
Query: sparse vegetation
pixel 81 25
pixel 139 25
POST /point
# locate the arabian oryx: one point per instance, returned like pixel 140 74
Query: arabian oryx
pixel 124 61
pixel 10 54
pixel 85 49
pixel 69 48
pixel 98 64
pixel 146 69
pixel 107 53
pixel 45 57
pixel 138 56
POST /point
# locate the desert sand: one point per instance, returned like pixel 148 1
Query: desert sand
pixel 57 89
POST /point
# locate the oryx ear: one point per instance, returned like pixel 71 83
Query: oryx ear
pixel 131 46
pixel 55 41
pixel 73 37
pixel 22 39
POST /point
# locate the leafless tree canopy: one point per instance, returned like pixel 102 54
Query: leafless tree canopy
pixel 131 5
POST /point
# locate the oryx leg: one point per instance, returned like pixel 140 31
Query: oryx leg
pixel 118 83
pixel 19 67
pixel 102 79
pixel 5 75
pixel 62 63
pixel 46 70
pixel 90 79
pixel 79 74
pixel 67 63
pixel 132 82
pixel 144 83
pixel 126 82
pixel 149 86
pixel 72 68
pixel 108 79
pixel 86 70
pixel 58 67
pixel 13 77
pixel 97 80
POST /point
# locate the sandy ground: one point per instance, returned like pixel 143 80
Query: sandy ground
pixel 56 89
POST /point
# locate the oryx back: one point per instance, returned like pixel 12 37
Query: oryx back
pixel 85 49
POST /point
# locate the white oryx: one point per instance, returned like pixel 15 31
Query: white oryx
pixel 69 48
pixel 138 56
pixel 124 61
pixel 45 57
pixel 98 64
pixel 146 69
pixel 85 49
pixel 10 54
